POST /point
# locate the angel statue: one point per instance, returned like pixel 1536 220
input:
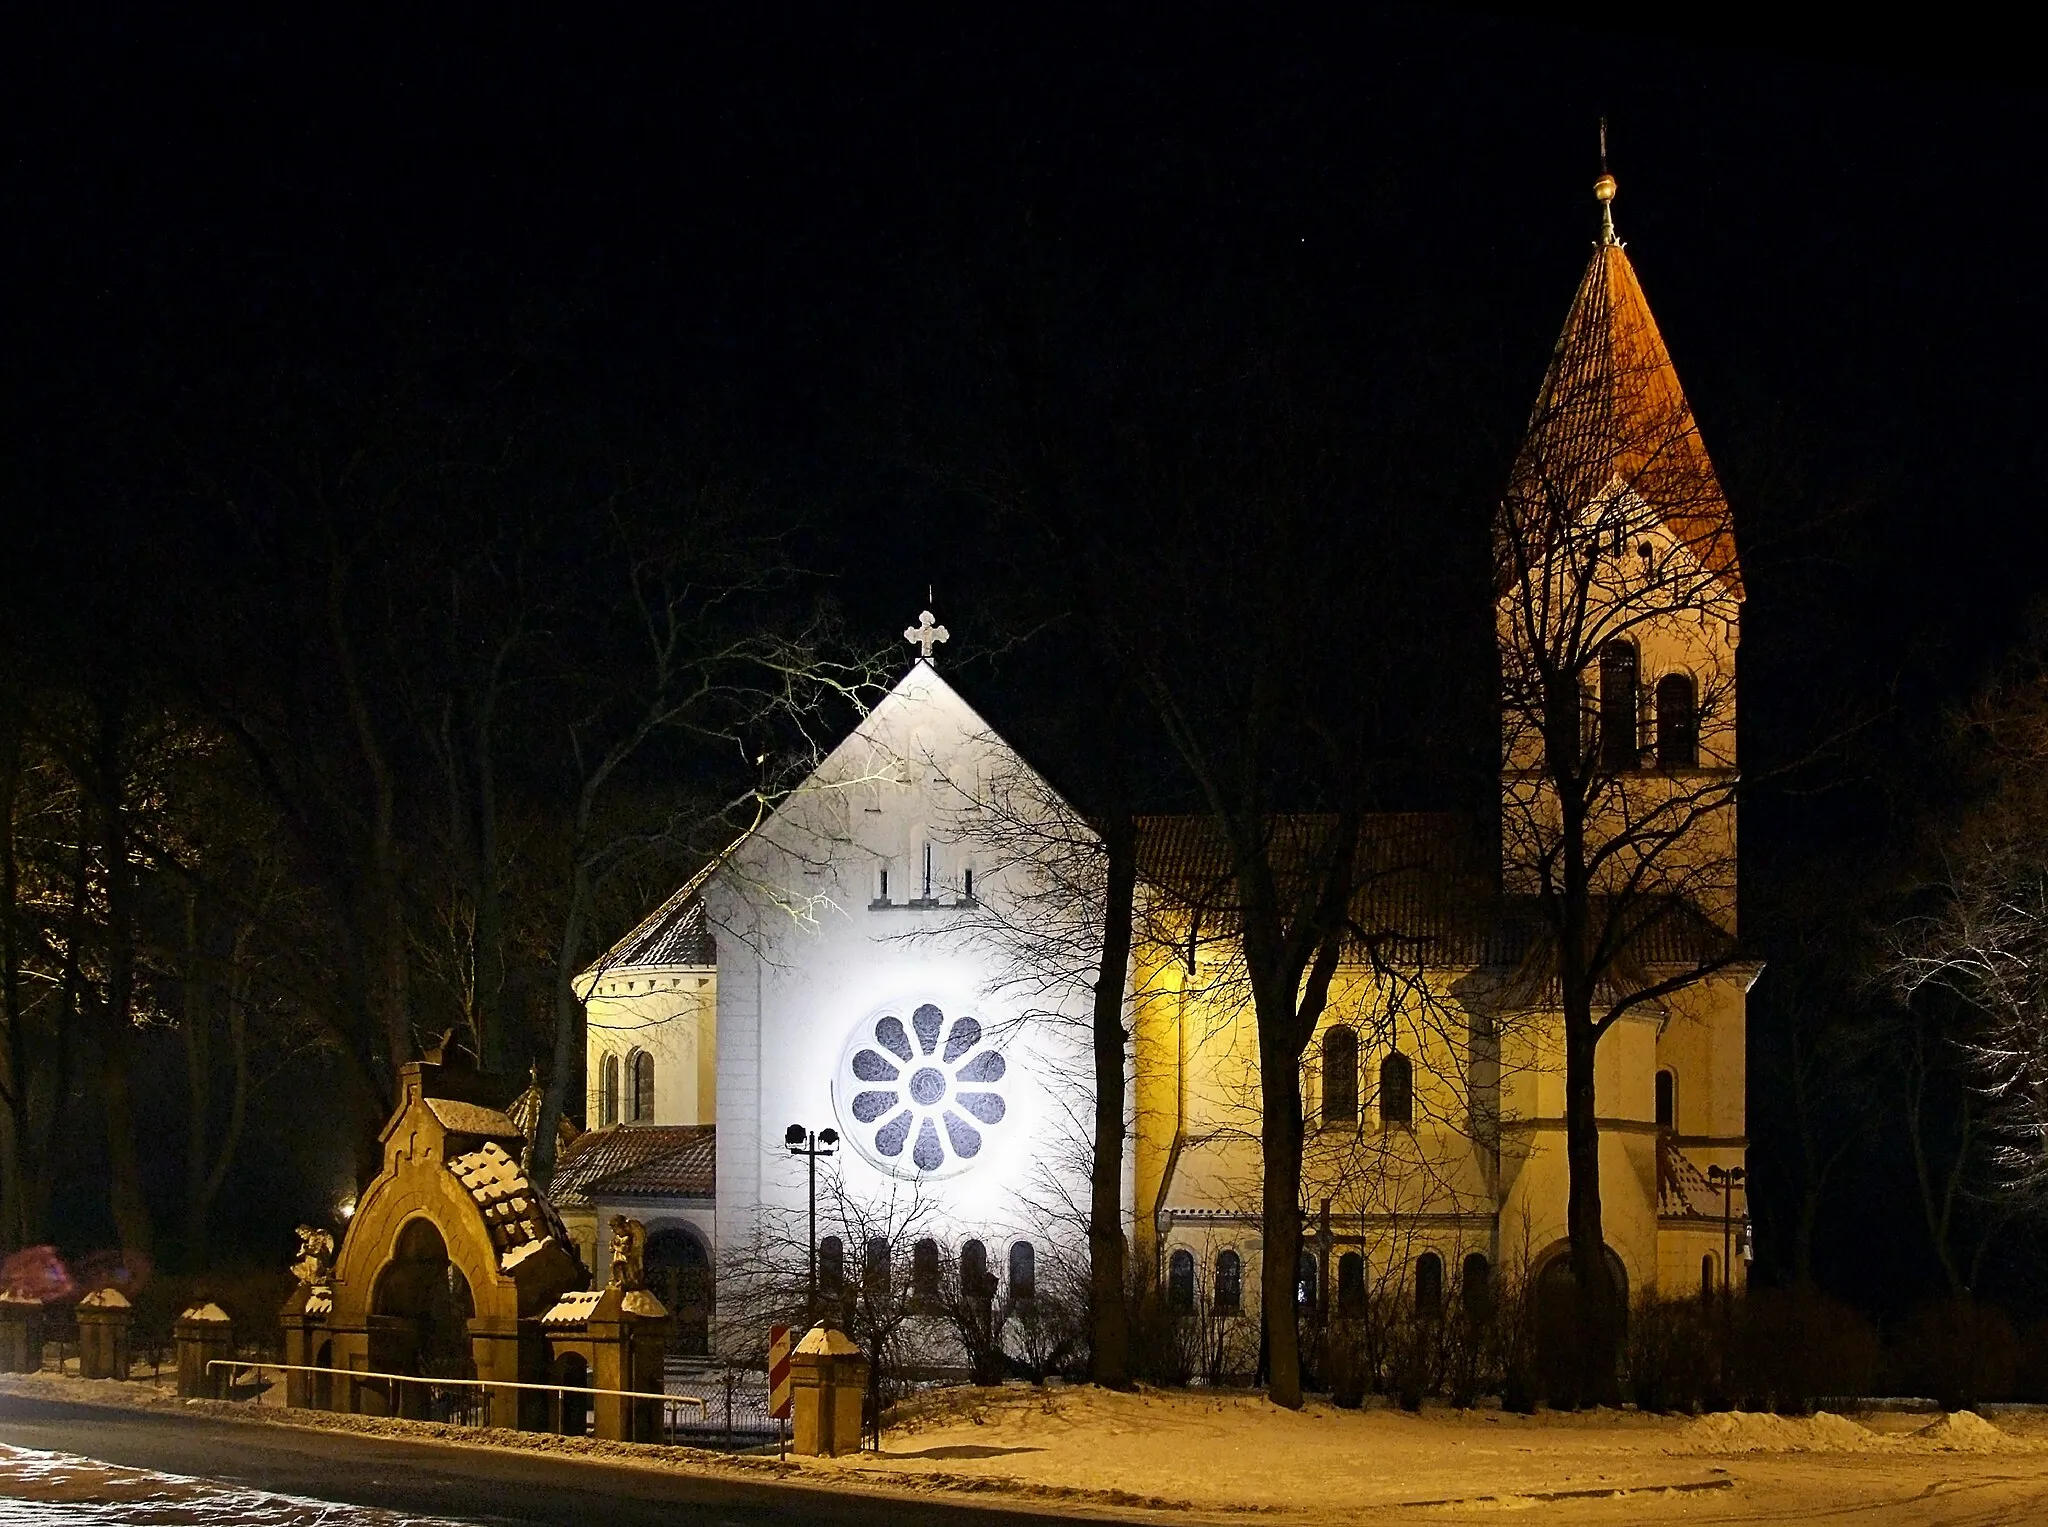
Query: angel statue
pixel 316 1256
pixel 629 1246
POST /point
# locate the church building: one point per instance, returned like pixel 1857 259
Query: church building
pixel 892 956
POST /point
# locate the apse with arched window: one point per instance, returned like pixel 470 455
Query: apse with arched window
pixel 1397 1092
pixel 1620 748
pixel 1351 1285
pixel 608 1092
pixel 1340 1075
pixel 1228 1297
pixel 1678 722
pixel 1429 1286
pixel 1667 1099
pixel 1023 1270
pixel 1180 1282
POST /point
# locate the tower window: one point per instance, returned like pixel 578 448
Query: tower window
pixel 1667 1100
pixel 882 883
pixel 967 884
pixel 608 1092
pixel 1678 723
pixel 927 872
pixel 1340 1075
pixel 1397 1091
pixel 1619 747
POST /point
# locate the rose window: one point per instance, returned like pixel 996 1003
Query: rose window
pixel 921 1097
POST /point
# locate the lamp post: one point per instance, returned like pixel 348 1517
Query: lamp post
pixel 811 1145
pixel 1727 1180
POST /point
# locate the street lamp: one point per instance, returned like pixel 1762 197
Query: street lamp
pixel 805 1143
pixel 1727 1180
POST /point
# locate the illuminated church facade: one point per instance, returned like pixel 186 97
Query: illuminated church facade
pixel 898 954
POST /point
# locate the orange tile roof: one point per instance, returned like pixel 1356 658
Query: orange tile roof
pixel 1611 406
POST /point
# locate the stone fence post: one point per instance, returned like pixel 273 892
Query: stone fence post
pixel 104 1316
pixel 204 1335
pixel 830 1379
pixel 21 1333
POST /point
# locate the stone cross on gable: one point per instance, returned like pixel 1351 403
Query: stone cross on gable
pixel 925 635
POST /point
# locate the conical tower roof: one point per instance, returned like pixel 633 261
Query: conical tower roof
pixel 1610 411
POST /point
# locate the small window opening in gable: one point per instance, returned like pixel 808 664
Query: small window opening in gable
pixel 1667 1099
pixel 967 884
pixel 927 872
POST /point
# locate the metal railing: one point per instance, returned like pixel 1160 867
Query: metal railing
pixel 475 1413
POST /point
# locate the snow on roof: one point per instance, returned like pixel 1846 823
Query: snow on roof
pixel 573 1309
pixel 518 1217
pixel 460 1118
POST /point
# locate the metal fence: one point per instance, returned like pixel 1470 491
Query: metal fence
pixel 735 1412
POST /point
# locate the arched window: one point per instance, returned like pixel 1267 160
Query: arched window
pixel 1180 1282
pixel 924 1269
pixel 1229 1296
pixel 1429 1286
pixel 1340 1075
pixel 1707 1271
pixel 874 1271
pixel 608 1092
pixel 1351 1285
pixel 975 1282
pixel 1397 1091
pixel 1667 1100
pixel 640 1086
pixel 1023 1270
pixel 831 1264
pixel 1307 1288
pixel 1619 748
pixel 1678 723
pixel 1475 1289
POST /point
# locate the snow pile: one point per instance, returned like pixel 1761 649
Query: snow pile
pixel 1746 1431
pixel 1965 1431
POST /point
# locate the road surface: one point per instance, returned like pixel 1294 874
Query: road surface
pixel 451 1484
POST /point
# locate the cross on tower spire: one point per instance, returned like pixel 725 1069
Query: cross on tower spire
pixel 926 634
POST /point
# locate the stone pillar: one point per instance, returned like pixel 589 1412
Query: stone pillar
pixel 830 1379
pixel 103 1319
pixel 494 1349
pixel 304 1318
pixel 21 1333
pixel 204 1335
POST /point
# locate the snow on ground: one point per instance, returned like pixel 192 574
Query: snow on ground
pixel 41 1489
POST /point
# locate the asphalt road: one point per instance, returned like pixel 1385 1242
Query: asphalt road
pixel 465 1484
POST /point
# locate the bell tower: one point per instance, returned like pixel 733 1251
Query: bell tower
pixel 1618 600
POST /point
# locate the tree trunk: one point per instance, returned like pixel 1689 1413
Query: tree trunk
pixel 1595 1325
pixel 1280 1138
pixel 1108 1325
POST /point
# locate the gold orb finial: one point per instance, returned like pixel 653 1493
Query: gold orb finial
pixel 1603 189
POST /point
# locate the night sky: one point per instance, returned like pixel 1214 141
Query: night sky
pixel 766 236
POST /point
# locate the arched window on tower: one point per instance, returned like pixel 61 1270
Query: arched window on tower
pixel 1397 1092
pixel 1340 1075
pixel 640 1087
pixel 1180 1282
pixel 1229 1295
pixel 1667 1099
pixel 608 1092
pixel 1678 723
pixel 1619 747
